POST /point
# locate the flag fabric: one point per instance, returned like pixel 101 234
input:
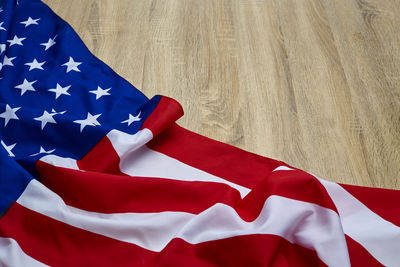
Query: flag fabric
pixel 95 173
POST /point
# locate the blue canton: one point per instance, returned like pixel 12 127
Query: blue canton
pixel 55 96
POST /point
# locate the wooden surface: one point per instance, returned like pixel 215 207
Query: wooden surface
pixel 314 83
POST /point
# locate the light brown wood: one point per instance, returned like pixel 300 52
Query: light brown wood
pixel 314 83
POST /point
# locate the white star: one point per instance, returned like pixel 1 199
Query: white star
pixel 72 65
pixel 2 48
pixel 100 92
pixel 8 61
pixel 8 148
pixel 1 27
pixel 49 43
pixel 93 119
pixel 35 65
pixel 46 118
pixel 59 90
pixel 26 86
pixel 9 114
pixel 30 21
pixel 43 151
pixel 61 112
pixel 132 118
pixel 90 120
pixel 16 40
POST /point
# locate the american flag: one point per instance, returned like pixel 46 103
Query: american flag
pixel 95 173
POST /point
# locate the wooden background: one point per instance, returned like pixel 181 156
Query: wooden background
pixel 314 83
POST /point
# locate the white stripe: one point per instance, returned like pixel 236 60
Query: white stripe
pixel 283 168
pixel 378 236
pixel 60 162
pixel 12 255
pixel 136 159
pixel 124 143
pixel 302 223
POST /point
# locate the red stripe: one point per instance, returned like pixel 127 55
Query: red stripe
pixel 167 111
pixel 58 244
pixel 359 256
pixel 222 160
pixel 107 193
pixel 249 250
pixel 384 202
pixel 102 158
pixel 296 185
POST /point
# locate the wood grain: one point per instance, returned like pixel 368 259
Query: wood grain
pixel 314 83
